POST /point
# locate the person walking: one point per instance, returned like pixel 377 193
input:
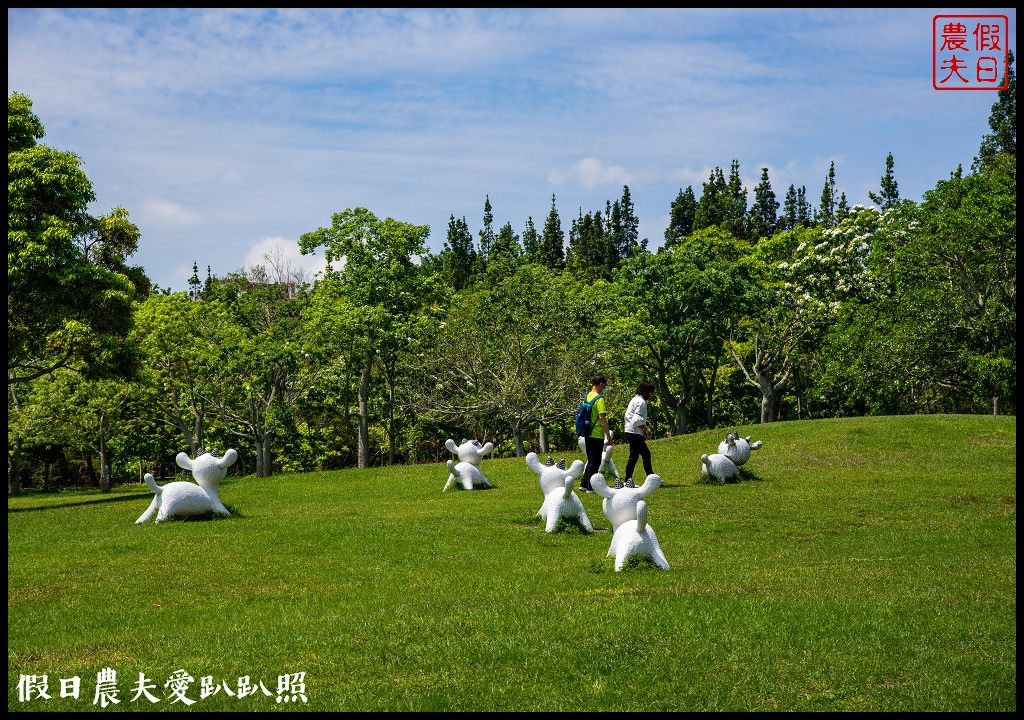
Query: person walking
pixel 600 435
pixel 636 431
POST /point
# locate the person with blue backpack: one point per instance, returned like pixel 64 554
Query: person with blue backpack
pixel 592 426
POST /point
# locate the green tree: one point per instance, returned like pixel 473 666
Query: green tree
pixel 459 255
pixel 501 366
pixel 999 148
pixel 788 220
pixel 715 202
pixel 826 215
pixel 589 252
pixel 531 241
pixel 763 216
pixel 889 194
pixel 69 292
pixel 966 250
pixel 842 209
pixel 180 339
pixel 681 217
pixel 623 228
pixel 804 215
pixel 552 244
pixel 736 215
pixel 506 254
pixel 81 414
pixel 673 313
pixel 486 235
pixel 380 279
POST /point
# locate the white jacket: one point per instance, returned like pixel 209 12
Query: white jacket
pixel 636 415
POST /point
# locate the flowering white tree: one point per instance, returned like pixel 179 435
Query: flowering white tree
pixel 803 277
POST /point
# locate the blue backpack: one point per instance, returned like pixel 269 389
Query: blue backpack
pixel 584 417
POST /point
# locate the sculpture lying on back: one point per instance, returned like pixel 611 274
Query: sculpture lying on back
pixel 736 448
pixel 636 538
pixel 619 504
pixel 563 503
pixel 182 498
pixel 467 474
pixel 553 476
pixel 719 466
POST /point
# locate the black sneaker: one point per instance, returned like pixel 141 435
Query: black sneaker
pixel 630 483
pixel 618 483
pixel 586 489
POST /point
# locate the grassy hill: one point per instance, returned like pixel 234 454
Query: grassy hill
pixel 864 564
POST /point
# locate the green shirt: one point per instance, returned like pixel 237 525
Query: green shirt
pixel 598 408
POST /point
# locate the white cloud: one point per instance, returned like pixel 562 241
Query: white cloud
pixel 590 172
pixel 165 213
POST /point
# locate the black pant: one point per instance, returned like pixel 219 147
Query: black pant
pixel 595 449
pixel 637 449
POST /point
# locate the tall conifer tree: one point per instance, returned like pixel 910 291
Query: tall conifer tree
pixel 459 256
pixel 790 209
pixel 826 216
pixel 803 207
pixel 712 208
pixel 531 241
pixel 681 215
pixel 736 212
pixel 890 194
pixel 552 241
pixel 763 218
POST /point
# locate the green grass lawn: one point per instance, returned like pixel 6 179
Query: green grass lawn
pixel 863 564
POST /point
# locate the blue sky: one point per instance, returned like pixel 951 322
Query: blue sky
pixel 227 134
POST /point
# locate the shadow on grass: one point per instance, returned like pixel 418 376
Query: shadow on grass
pixel 744 476
pixel 207 516
pixel 97 501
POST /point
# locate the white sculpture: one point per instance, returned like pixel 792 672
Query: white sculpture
pixel 619 504
pixel 467 473
pixel 182 498
pixel 719 466
pixel 736 448
pixel 552 476
pixel 607 464
pixel 563 503
pixel 636 538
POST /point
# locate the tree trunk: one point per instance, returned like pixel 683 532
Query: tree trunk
pixel 542 437
pixel 995 404
pixel 14 469
pixel 259 456
pixel 680 417
pixel 517 436
pixel 363 460
pixel 104 460
pixel 268 456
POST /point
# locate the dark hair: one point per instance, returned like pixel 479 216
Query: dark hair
pixel 645 388
pixel 598 379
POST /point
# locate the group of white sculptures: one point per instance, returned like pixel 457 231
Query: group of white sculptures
pixel 724 465
pixel 624 507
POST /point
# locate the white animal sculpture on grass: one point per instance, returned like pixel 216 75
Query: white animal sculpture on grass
pixel 619 504
pixel 552 476
pixel 636 538
pixel 737 448
pixel 719 466
pixel 182 498
pixel 563 503
pixel 467 473
pixel 607 464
